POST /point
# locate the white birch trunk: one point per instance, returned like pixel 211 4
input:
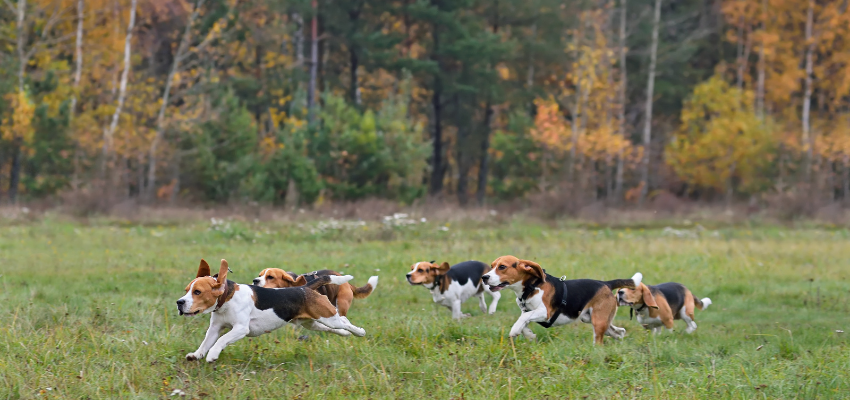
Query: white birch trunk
pixel 78 57
pixel 122 89
pixel 761 67
pixel 807 99
pixel 650 88
pixel 166 94
pixel 618 185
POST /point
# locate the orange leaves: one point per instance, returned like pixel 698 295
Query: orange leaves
pixel 719 137
pixel 18 125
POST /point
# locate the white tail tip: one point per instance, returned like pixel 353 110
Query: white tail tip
pixel 373 281
pixel 705 303
pixel 637 278
pixel 339 280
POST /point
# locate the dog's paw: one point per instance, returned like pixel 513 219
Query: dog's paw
pixel 193 357
pixel 211 359
pixel 465 315
pixel 359 332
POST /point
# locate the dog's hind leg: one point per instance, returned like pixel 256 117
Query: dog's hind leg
pixel 315 326
pixel 336 322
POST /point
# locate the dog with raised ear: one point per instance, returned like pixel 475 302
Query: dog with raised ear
pixel 450 286
pixel 252 311
pixel 550 301
pixel 340 295
pixel 660 305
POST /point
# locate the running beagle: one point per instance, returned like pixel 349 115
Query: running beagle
pixel 450 286
pixel 252 311
pixel 659 305
pixel 550 301
pixel 339 295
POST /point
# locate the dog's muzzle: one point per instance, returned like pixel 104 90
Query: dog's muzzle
pixel 621 301
pixel 256 281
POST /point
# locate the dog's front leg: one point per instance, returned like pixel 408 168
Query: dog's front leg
pixel 521 324
pixel 495 302
pixel 239 331
pixel 209 340
pixel 456 312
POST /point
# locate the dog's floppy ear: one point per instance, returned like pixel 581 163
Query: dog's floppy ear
pixel 203 269
pixel 287 277
pixel 532 268
pixel 648 298
pixel 440 268
pixel 300 281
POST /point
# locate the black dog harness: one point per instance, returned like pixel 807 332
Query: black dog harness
pixel 632 311
pixel 561 295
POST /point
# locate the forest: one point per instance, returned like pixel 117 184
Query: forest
pixel 299 102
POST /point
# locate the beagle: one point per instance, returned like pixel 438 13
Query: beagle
pixel 661 304
pixel 252 311
pixel 450 286
pixel 339 295
pixel 550 301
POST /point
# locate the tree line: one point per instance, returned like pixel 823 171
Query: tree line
pixel 303 101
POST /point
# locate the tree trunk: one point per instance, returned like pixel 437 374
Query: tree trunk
pixel 650 87
pixel 78 57
pixel 298 38
pixel 437 168
pixel 353 17
pixel 314 64
pixel 761 67
pixel 618 184
pixel 354 91
pixel 845 181
pixel 15 172
pixel 20 31
pixel 574 112
pixel 807 98
pixel 122 89
pixel 166 94
pixel 530 75
pixel 175 180
pixel 484 166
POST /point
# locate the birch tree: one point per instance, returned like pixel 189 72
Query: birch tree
pixel 650 88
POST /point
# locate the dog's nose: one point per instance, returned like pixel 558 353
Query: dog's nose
pixel 181 302
pixel 621 292
pixel 485 278
pixel 408 275
pixel 256 281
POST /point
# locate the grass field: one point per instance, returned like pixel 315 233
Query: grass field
pixel 88 312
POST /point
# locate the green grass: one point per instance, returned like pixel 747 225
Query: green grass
pixel 88 311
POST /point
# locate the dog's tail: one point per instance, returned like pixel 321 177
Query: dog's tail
pixel 364 291
pixel 703 303
pixel 625 283
pixel 328 280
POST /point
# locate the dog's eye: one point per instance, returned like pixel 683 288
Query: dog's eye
pixel 197 292
pixel 502 267
pixel 270 278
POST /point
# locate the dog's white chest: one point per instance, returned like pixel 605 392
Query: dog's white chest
pixel 264 321
pixel 453 293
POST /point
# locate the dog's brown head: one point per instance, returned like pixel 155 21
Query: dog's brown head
pixel 509 270
pixel 277 278
pixel 203 292
pixel 424 272
pixel 636 297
